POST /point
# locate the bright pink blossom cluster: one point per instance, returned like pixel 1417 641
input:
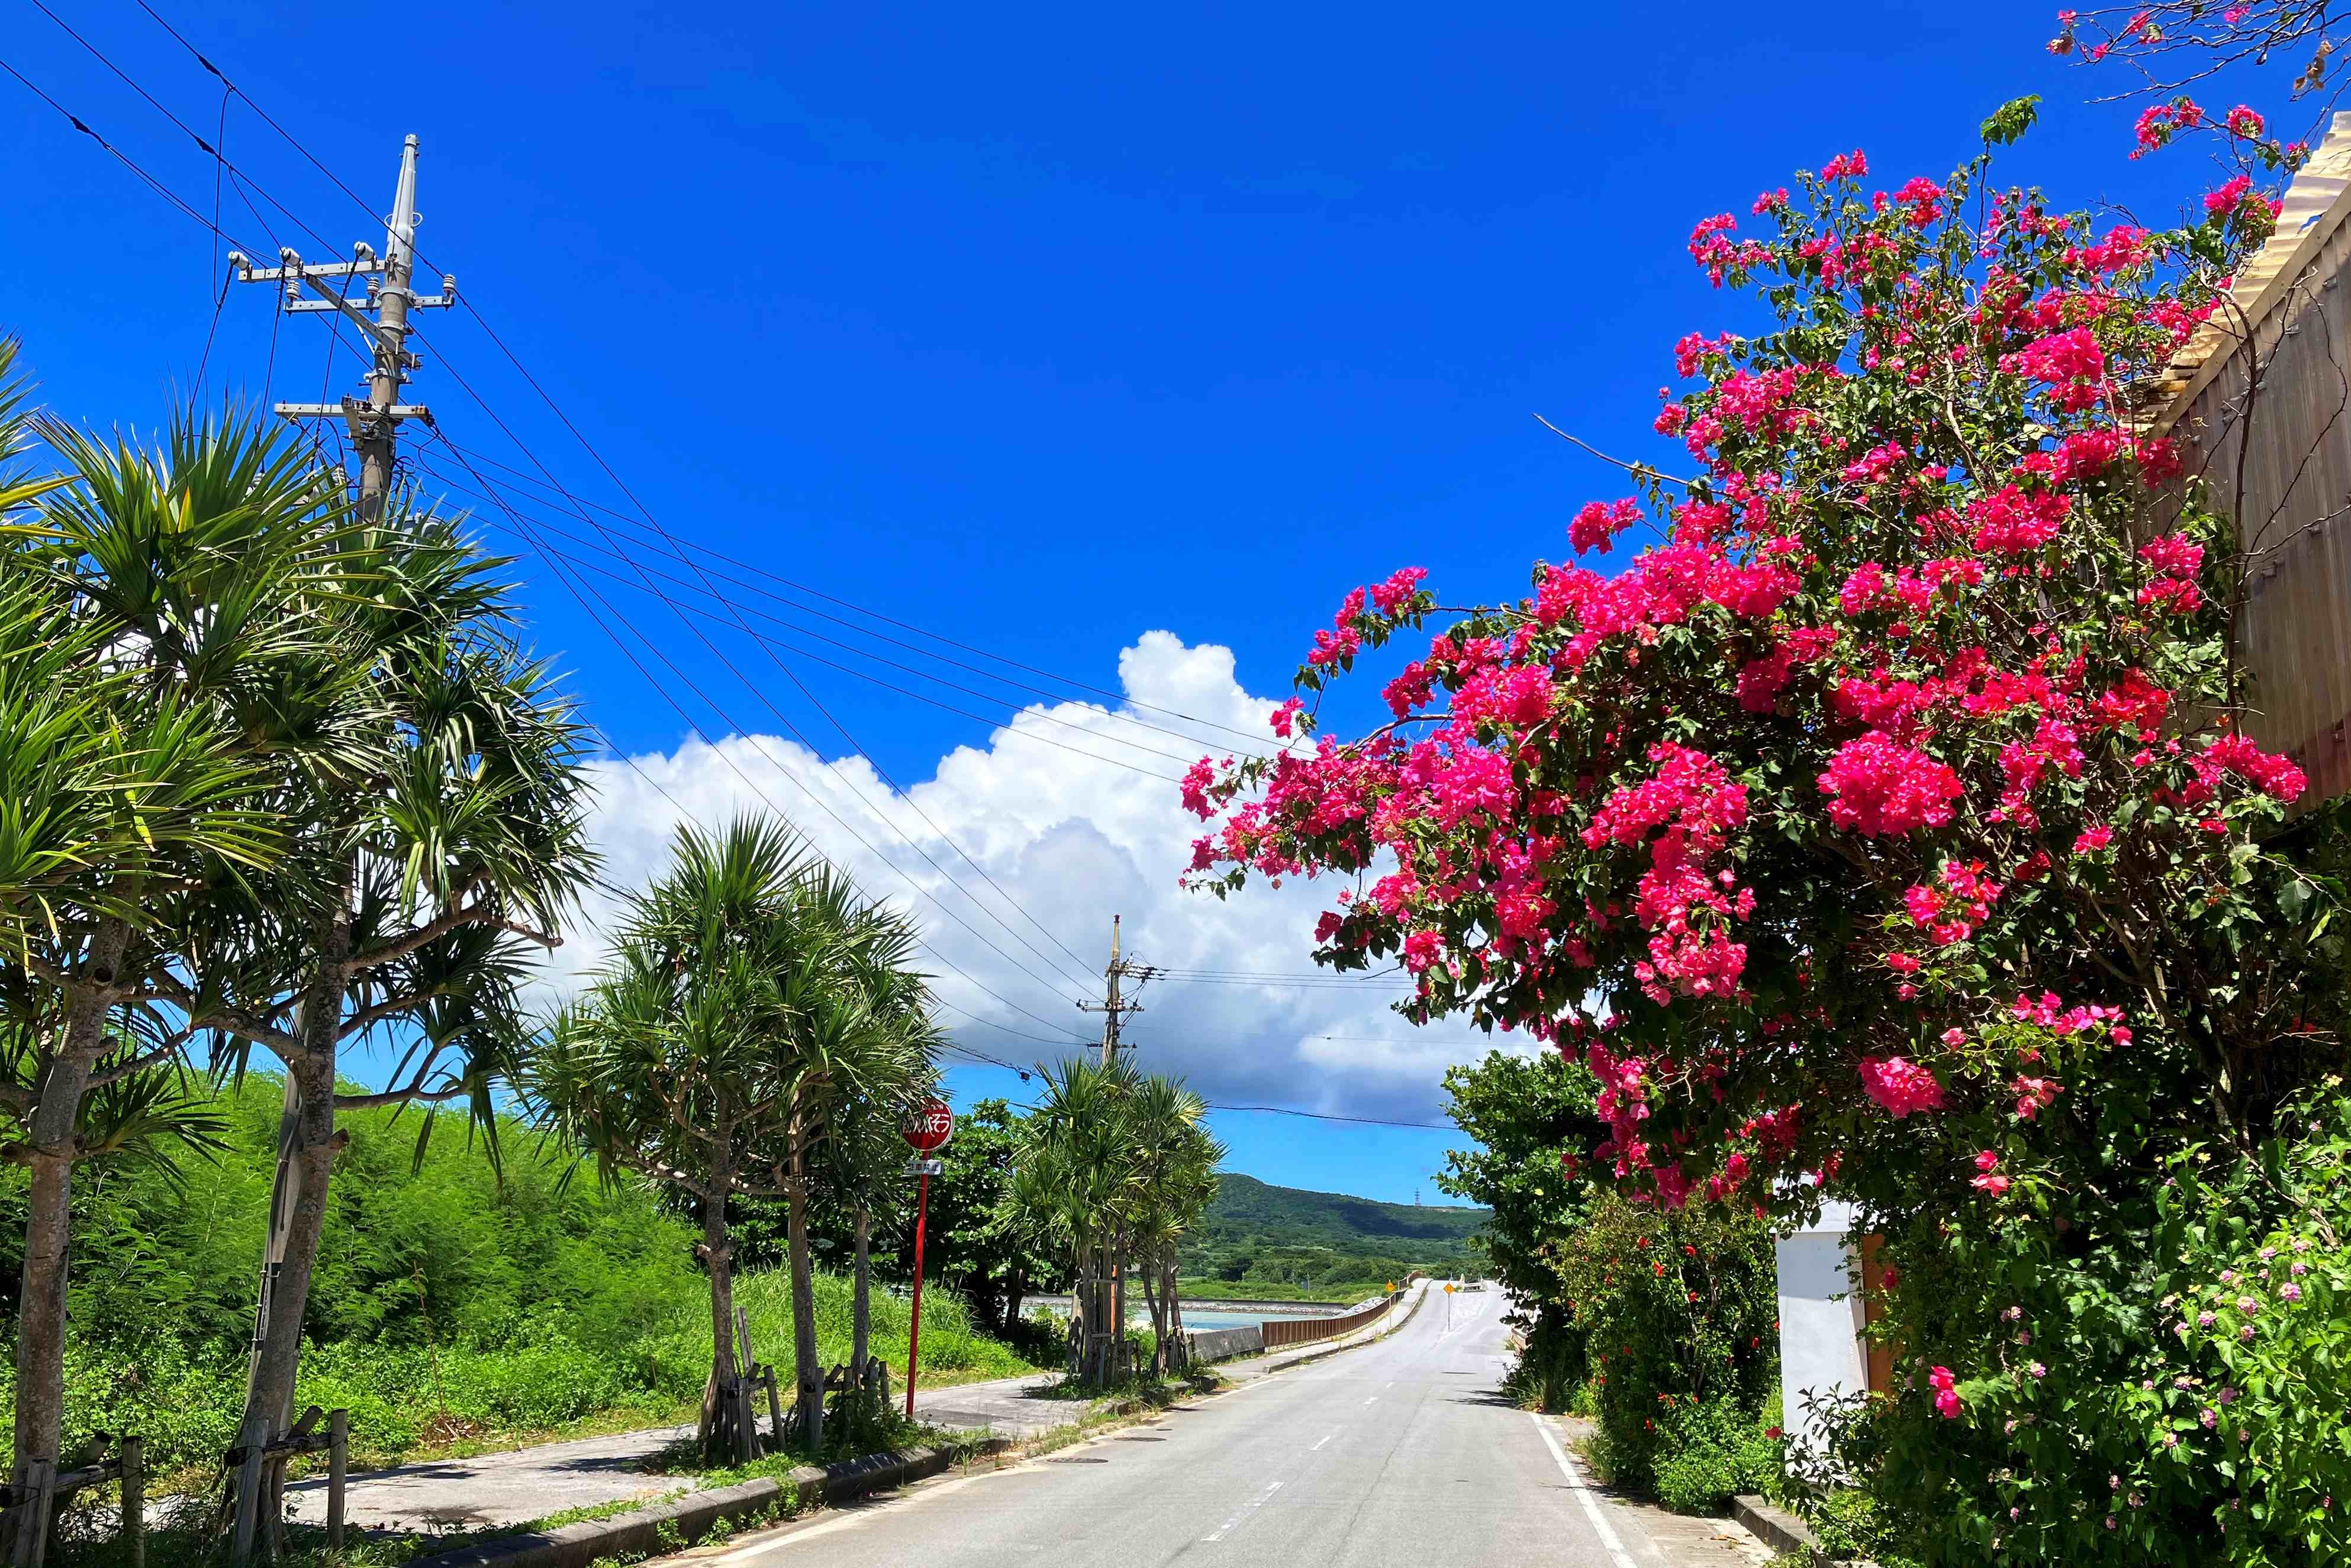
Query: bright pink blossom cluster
pixel 1598 524
pixel 1876 785
pixel 1900 1086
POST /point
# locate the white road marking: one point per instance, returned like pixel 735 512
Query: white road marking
pixel 1374 1399
pixel 1243 1511
pixel 1325 1437
pixel 1576 1481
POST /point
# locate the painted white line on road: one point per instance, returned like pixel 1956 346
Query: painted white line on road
pixel 1325 1437
pixel 1576 1484
pixel 1243 1513
pixel 1374 1399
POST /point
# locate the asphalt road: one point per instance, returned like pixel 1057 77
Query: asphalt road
pixel 1399 1452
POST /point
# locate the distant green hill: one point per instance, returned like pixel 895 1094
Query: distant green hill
pixel 1286 1240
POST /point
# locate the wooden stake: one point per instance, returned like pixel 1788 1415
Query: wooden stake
pixel 339 1449
pixel 134 1498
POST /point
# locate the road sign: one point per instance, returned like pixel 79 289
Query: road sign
pixel 928 1126
pixel 927 1168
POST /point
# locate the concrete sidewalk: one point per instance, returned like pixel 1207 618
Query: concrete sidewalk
pixel 522 1484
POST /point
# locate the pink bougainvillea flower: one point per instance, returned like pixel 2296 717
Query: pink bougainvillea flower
pixel 1900 1086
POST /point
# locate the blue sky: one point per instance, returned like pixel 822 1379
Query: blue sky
pixel 1039 332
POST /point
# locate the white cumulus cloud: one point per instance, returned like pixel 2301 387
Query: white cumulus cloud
pixel 1070 840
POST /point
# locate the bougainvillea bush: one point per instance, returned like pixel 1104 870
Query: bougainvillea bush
pixel 1868 807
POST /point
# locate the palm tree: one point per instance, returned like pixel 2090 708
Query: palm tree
pixel 864 1163
pixel 745 1005
pixel 164 590
pixel 1113 1164
pixel 438 807
pixel 1071 1183
pixel 1176 1182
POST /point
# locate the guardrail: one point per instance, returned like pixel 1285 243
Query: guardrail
pixel 1282 1332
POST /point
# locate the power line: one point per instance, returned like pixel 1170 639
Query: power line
pixel 765 640
pixel 860 631
pixel 821 803
pixel 613 615
pixel 1326 1116
pixel 491 333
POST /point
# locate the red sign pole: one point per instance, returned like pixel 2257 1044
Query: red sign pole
pixel 915 1329
pixel 927 1129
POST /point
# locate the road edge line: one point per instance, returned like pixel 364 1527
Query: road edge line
pixel 1582 1489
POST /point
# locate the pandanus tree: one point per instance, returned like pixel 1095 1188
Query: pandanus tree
pixel 153 603
pixel 1175 1180
pixel 1112 1165
pixel 864 1158
pixel 435 802
pixel 714 1054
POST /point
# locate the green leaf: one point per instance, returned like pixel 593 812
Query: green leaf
pixel 2011 121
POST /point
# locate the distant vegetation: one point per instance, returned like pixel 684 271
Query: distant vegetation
pixel 1277 1243
pixel 451 1308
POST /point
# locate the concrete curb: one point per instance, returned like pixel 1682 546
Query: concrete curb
pixel 666 1527
pixel 1775 1527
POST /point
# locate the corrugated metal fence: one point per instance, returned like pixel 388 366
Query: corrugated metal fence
pixel 2261 399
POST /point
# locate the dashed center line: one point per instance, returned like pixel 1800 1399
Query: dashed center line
pixel 1324 1438
pixel 1243 1513
pixel 1374 1399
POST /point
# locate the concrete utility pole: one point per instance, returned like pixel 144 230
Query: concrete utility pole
pixel 374 422
pixel 1104 1314
pixel 1113 1006
pixel 374 425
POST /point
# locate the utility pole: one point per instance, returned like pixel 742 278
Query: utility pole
pixel 1105 1311
pixel 1113 1006
pixel 374 424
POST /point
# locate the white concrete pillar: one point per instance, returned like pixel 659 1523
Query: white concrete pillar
pixel 1821 1347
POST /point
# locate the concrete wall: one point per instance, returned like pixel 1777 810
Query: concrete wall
pixel 1821 1349
pixel 1223 1344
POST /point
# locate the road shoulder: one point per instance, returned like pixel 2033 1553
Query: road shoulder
pixel 1635 1532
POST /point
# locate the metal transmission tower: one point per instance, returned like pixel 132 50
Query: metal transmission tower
pixel 1113 1006
pixel 374 422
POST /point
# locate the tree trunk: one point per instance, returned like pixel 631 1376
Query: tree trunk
pixel 48 1223
pixel 721 1396
pixel 1175 1307
pixel 1014 1289
pixel 305 1158
pixel 861 1322
pixel 1159 1326
pixel 807 1372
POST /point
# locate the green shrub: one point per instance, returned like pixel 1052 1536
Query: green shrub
pixel 1709 1454
pixel 2168 1383
pixel 1678 1312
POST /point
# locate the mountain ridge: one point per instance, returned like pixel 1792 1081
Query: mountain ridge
pixel 1256 1230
